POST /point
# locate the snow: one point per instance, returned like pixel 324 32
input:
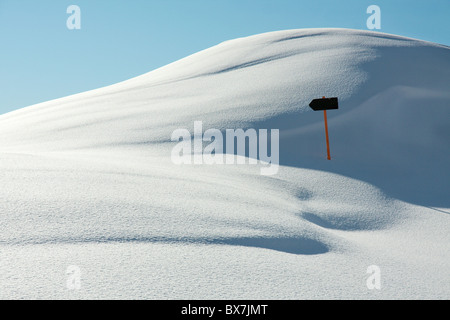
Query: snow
pixel 88 180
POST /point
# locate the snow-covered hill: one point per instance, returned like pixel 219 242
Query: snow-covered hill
pixel 88 180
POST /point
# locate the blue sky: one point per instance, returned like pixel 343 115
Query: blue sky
pixel 41 59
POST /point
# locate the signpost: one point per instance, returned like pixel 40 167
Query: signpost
pixel 325 104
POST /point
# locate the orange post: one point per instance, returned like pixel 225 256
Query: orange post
pixel 326 133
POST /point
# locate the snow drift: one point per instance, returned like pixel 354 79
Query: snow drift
pixel 87 180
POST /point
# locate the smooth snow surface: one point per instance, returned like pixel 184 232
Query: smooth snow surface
pixel 88 180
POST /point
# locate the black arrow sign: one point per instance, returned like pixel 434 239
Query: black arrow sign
pixel 324 104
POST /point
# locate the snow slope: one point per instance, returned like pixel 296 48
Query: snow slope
pixel 88 181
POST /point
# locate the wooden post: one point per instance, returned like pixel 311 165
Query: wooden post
pixel 326 133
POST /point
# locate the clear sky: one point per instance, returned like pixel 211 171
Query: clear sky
pixel 41 59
